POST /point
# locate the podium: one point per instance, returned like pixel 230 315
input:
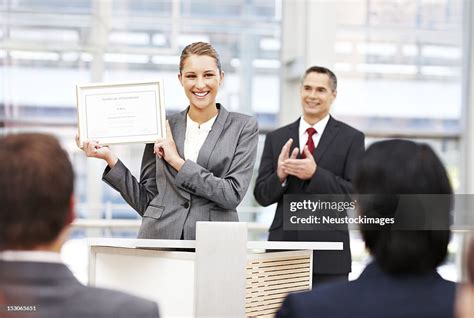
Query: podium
pixel 221 274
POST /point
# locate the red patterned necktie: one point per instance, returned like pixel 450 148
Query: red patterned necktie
pixel 310 143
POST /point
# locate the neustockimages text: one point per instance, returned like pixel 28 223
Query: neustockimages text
pixel 312 219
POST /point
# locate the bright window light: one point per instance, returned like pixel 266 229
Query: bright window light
pixel 266 63
pixel 70 56
pixel 410 50
pixel 165 60
pixel 384 49
pixel 278 9
pixel 86 57
pixel 126 58
pixel 440 71
pixel 185 39
pixel 270 44
pixel 235 62
pixel 159 39
pixel 444 52
pixel 38 35
pixel 130 38
pixel 343 47
pixel 40 56
pixel 401 69
pixel 343 67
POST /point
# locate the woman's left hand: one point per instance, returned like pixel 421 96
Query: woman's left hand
pixel 166 148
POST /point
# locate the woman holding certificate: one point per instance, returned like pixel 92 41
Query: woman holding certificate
pixel 201 170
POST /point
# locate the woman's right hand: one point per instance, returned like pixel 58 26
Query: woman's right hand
pixel 94 150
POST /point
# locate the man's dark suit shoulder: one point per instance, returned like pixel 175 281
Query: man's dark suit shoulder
pixel 112 303
pixel 57 293
pixel 378 295
pixel 281 130
pixel 347 129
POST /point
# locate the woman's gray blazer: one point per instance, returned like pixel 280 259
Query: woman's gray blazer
pixel 210 189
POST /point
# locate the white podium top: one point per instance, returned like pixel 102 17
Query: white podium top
pixel 185 244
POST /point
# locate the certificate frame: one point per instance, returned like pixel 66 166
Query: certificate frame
pixel 122 112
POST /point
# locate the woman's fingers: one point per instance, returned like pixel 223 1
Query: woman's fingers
pixel 158 147
pixel 91 148
pixel 77 141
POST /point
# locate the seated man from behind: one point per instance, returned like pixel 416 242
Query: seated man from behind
pixel 401 280
pixel 36 210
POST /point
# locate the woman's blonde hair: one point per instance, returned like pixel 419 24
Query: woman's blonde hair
pixel 199 48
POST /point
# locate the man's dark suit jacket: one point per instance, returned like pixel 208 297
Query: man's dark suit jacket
pixel 56 293
pixel 339 148
pixel 375 294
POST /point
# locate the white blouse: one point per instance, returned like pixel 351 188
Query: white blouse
pixel 195 136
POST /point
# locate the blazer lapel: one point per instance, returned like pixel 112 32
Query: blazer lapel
pixel 293 132
pixel 178 128
pixel 212 137
pixel 329 133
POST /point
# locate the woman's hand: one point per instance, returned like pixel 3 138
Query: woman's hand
pixel 166 148
pixel 94 150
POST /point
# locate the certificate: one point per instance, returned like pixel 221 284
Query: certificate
pixel 116 113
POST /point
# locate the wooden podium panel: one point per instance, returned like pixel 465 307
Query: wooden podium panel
pixel 271 276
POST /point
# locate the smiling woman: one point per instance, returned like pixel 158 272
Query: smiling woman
pixel 201 170
pixel 201 79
